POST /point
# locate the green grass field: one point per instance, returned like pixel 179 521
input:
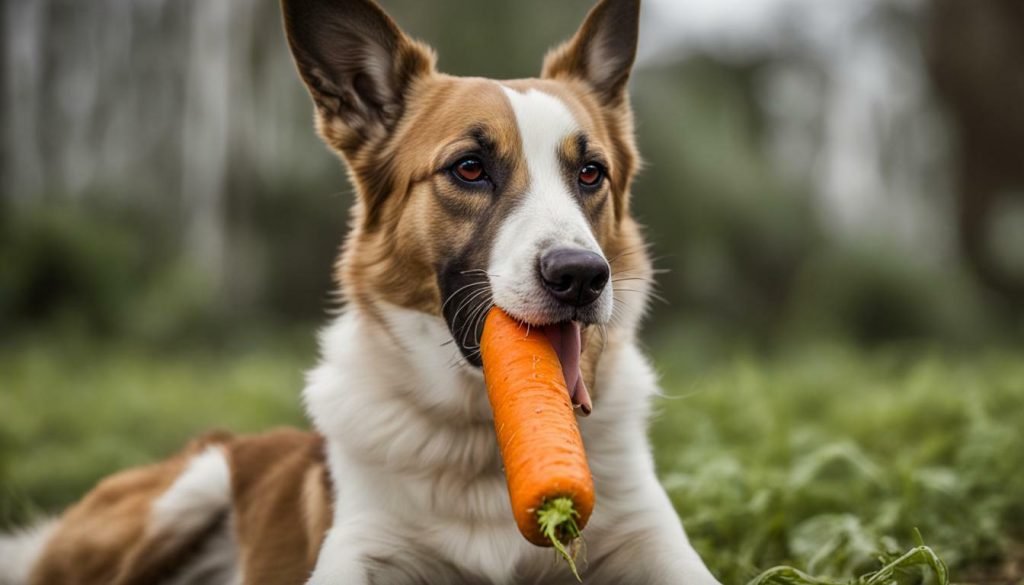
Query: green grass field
pixel 824 459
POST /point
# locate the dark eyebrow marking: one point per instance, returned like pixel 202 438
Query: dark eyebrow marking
pixel 582 145
pixel 586 154
pixel 479 135
pixel 476 140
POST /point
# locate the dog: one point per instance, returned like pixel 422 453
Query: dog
pixel 471 193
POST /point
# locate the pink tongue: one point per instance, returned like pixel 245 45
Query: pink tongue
pixel 565 340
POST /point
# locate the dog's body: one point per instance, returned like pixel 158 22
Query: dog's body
pixel 472 193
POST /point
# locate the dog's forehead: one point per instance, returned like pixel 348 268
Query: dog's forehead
pixel 542 118
pixel 578 104
pixel 500 111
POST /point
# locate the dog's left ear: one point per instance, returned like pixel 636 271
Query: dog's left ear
pixel 357 64
pixel 602 51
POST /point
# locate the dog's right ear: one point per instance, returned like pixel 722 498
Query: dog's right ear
pixel 357 64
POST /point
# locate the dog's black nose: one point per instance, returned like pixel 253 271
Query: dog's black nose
pixel 574 276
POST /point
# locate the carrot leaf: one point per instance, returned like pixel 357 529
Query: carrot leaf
pixel 557 521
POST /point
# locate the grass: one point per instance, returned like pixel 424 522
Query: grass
pixel 828 459
pixel 918 565
pixel 824 459
pixel 72 413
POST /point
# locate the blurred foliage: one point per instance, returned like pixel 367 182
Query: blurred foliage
pixel 821 458
pixel 730 232
pixel 74 411
pixel 745 254
pixel 919 566
pixel 748 254
pixel 120 274
pixel 57 266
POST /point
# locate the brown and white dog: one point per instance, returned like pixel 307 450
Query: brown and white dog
pixel 471 193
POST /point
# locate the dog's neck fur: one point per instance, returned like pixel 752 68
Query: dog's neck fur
pixel 403 402
pixel 409 435
pixel 410 432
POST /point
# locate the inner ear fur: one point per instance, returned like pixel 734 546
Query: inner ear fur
pixel 357 64
pixel 602 51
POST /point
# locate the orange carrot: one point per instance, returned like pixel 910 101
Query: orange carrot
pixel 549 481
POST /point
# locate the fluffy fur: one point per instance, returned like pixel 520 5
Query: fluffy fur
pixel 19 551
pixel 425 500
pixel 402 482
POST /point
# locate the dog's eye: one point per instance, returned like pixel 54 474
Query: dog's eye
pixel 591 175
pixel 470 170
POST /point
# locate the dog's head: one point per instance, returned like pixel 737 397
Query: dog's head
pixel 473 192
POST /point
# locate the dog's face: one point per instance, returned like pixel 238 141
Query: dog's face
pixel 474 192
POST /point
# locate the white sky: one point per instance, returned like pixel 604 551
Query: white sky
pixel 738 26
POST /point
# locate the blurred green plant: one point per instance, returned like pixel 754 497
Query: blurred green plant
pixel 55 267
pixel 120 274
pixel 817 458
pixel 919 566
pixel 746 253
pixel 75 410
pixel 823 456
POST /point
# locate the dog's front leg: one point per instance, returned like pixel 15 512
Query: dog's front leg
pixel 647 544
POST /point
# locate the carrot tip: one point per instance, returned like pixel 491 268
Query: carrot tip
pixel 557 521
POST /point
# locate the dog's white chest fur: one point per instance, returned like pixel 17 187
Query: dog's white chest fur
pixel 414 459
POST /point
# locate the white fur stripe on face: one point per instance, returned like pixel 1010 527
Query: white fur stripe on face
pixel 549 216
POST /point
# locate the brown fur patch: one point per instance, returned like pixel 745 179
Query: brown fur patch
pixel 281 512
pixel 99 539
pixel 282 503
pixel 395 256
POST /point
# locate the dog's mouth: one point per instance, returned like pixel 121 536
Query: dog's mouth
pixel 466 308
pixel 566 339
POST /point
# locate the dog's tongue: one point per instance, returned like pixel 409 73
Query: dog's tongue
pixel 565 339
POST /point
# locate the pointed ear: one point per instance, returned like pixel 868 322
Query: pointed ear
pixel 355 61
pixel 602 51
